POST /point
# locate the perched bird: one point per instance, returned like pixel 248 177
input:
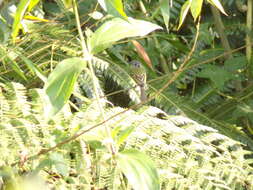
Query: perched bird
pixel 138 73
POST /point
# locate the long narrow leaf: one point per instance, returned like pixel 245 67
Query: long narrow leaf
pixel 21 10
pixel 183 13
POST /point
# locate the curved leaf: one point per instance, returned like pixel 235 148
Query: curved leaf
pixel 113 7
pixel 184 10
pixel 117 29
pixel 165 9
pixel 139 170
pixel 60 83
pixel 196 6
pixel 218 5
pixel 21 10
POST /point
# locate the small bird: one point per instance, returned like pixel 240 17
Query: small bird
pixel 138 73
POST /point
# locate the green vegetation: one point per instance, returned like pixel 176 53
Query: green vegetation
pixel 71 116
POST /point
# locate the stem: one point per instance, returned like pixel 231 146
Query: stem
pixel 224 40
pixel 87 56
pixel 248 36
pixel 220 29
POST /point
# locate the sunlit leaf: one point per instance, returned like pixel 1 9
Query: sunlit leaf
pixel 123 134
pixel 67 3
pixel 33 68
pixel 7 58
pixel 21 10
pixel 165 9
pixel 218 5
pixel 34 18
pixel 117 29
pixel 139 170
pixel 60 83
pixel 184 10
pixel 113 7
pixel 196 6
pixel 32 4
pixel 60 163
pixel 96 15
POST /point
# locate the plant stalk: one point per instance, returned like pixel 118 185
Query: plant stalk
pixel 220 29
pixel 87 56
pixel 248 36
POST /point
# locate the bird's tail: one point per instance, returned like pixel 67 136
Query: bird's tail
pixel 143 94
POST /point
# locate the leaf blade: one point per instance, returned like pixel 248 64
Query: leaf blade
pixel 113 7
pixel 117 29
pixel 196 6
pixel 165 9
pixel 184 10
pixel 21 10
pixel 139 170
pixel 218 5
pixel 60 84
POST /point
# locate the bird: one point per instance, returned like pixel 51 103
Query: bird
pixel 139 75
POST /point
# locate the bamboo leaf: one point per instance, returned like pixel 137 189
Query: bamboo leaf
pixel 33 68
pixel 32 4
pixel 60 84
pixel 21 10
pixel 113 7
pixel 218 5
pixel 196 6
pixel 67 3
pixel 184 10
pixel 139 170
pixel 165 9
pixel 117 29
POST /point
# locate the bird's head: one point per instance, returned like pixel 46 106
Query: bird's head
pixel 135 63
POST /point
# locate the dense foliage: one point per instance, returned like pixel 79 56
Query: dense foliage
pixel 70 110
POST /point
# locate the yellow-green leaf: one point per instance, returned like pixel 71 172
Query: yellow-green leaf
pixel 67 3
pixel 139 170
pixel 165 9
pixel 32 4
pixel 60 84
pixel 217 4
pixel 184 10
pixel 21 10
pixel 113 7
pixel 117 29
pixel 196 6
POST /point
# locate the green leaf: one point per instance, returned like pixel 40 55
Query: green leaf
pixel 7 57
pixel 165 9
pixel 216 74
pixel 218 5
pixel 21 10
pixel 42 165
pixel 235 63
pixel 1 34
pixel 32 4
pixel 139 170
pixel 60 163
pixel 117 29
pixel 184 10
pixel 113 7
pixel 121 135
pixel 67 3
pixel 60 83
pixel 196 6
pixel 33 68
